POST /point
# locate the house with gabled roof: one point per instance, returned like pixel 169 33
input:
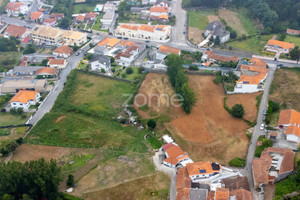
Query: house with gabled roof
pixel 63 52
pixel 203 171
pixel 289 121
pixel 293 32
pixel 164 51
pixel 16 8
pixel 16 31
pixel 37 16
pixel 57 63
pixel 24 99
pixel 273 165
pixel 279 46
pixel 216 29
pixel 174 155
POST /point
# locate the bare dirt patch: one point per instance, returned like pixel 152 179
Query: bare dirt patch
pixel 60 118
pixel 209 132
pixel 233 21
pixel 195 35
pixel 212 18
pixel 248 101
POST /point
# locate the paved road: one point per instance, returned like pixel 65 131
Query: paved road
pixel 51 98
pixel 16 21
pixel 247 171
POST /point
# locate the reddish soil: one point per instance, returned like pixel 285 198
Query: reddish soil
pixel 248 101
pixel 209 132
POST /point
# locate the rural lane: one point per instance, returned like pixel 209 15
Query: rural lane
pixel 247 171
pixel 52 96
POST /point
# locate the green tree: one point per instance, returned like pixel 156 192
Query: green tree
pixel 295 53
pixel 129 70
pixel 238 110
pixel 29 49
pixel 217 40
pixel 89 56
pixel 44 62
pixel 70 181
pixel 102 70
pixel 151 124
pixel 141 69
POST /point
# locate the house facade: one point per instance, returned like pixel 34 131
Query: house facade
pixel 24 99
pixel 47 35
pixel 203 171
pixel 174 156
pixel 16 8
pixel 216 29
pixel 37 16
pixel 74 38
pixel 57 63
pixel 289 122
pixel 63 52
pixel 45 73
pixel 16 31
pixel 279 46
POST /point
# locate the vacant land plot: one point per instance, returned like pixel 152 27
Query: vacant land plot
pixel 293 39
pixel 97 24
pixel 199 19
pixel 233 21
pixel 254 44
pixel 9 59
pixel 13 119
pixel 209 132
pixel 195 35
pixel 82 8
pixel 249 102
pixel 285 88
pixel 83 116
pixel 151 187
pixel 247 23
pixel 116 170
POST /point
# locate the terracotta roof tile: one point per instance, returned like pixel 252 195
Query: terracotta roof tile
pixel 183 194
pixel 16 31
pixel 182 179
pixel 147 28
pixel 159 9
pixel 56 62
pixel 284 45
pixel 292 31
pixel 110 42
pixel 80 18
pixel 169 50
pixel 200 168
pixel 258 62
pixel 24 96
pixel 57 15
pixel 210 195
pixel 241 194
pixel 175 154
pixel 45 70
pixel 49 20
pixel 35 15
pixel 14 6
pixel 131 27
pixel 222 194
pixel 213 56
pixel 63 50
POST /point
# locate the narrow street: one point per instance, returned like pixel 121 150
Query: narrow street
pixel 247 171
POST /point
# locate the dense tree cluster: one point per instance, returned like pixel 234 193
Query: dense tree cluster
pixel 66 7
pixel 268 12
pixel 179 81
pixel 34 179
pixel 9 44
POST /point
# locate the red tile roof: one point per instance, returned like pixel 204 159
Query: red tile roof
pixel 13 6
pixel 258 62
pixel 35 15
pixel 175 154
pixel 16 31
pixel 26 40
pixel 49 20
pixel 90 15
pixel 24 96
pixel 182 179
pixel 292 31
pixel 213 56
pixel 159 9
pixel 241 194
pixel 57 15
pixel 222 194
pixel 63 50
pixel 147 28
pixel 45 70
pixel 183 194
pixel 198 168
pixel 80 18
pixel 56 62
pixel 284 45
pixel 292 118
pixel 169 50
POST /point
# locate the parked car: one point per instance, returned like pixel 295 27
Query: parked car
pixel 262 127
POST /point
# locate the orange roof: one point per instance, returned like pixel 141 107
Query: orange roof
pixel 284 45
pixel 175 154
pixel 183 194
pixel 49 20
pixel 252 80
pixel 159 9
pixel 169 50
pixel 254 68
pixel 80 18
pixel 24 96
pixel 56 62
pixel 16 31
pixel 35 15
pixel 258 62
pixel 182 179
pixel 110 42
pixel 290 116
pixel 241 194
pixel 213 56
pixel 166 17
pixel 292 31
pixel 126 43
pixel 210 195
pixel 200 168
pixel 14 6
pixel 147 28
pixel 45 70
pixel 127 26
pixel 63 50
pixel 222 194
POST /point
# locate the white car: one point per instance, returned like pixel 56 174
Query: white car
pixel 262 127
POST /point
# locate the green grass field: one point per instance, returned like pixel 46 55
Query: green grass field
pixel 293 39
pixel 97 24
pixel 82 8
pixel 84 116
pixel 9 59
pixel 10 119
pixel 199 19
pixel 254 44
pixel 247 23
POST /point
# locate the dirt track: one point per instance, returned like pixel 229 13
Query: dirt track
pixel 209 132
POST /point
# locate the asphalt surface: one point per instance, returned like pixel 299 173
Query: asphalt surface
pixel 247 171
pixel 52 96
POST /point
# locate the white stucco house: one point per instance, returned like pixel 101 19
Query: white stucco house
pixel 24 99
pixel 99 62
pixel 216 28
pixel 289 121
pixel 203 171
pixel 16 8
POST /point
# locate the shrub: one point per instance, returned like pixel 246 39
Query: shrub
pixel 237 162
pixel 70 181
pixel 129 70
pixel 151 124
pixel 237 111
pixel 141 69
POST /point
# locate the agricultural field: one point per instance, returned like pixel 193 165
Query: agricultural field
pixel 154 186
pixel 83 116
pixel 9 59
pixel 209 132
pixel 254 44
pixel 285 89
pixel 293 39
